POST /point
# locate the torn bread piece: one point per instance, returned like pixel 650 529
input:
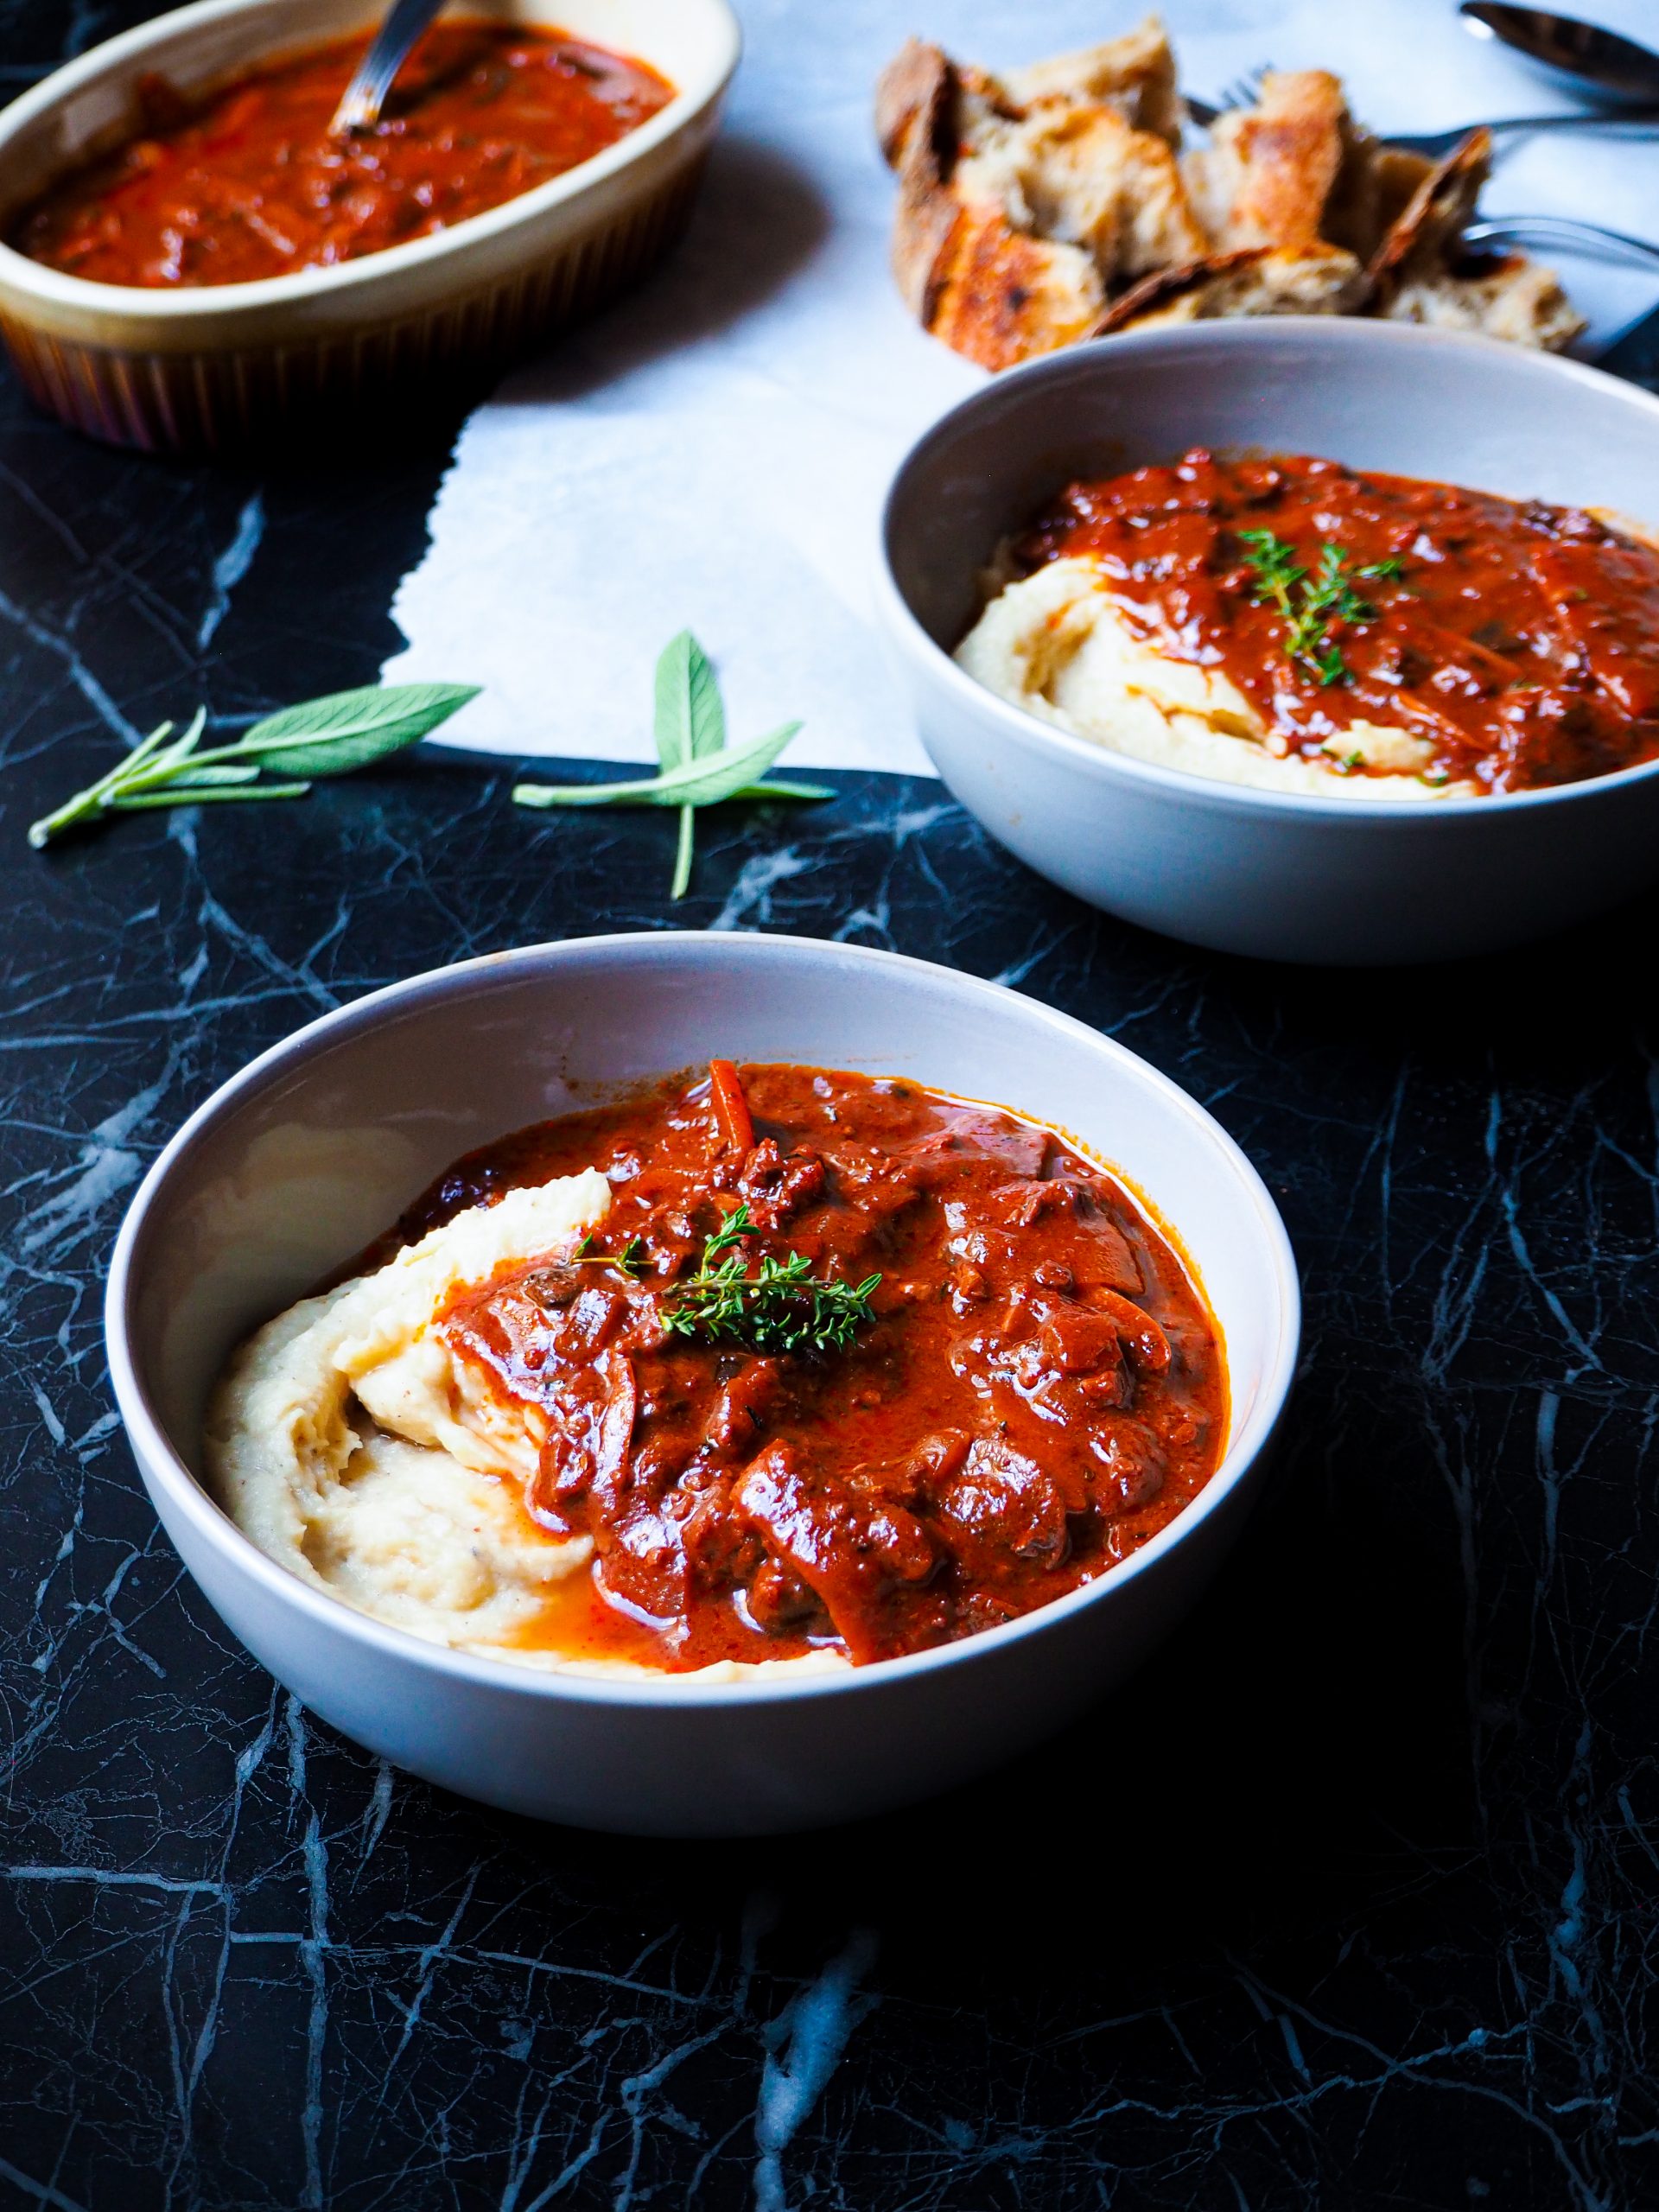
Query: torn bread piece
pixel 1050 204
pixel 1134 75
pixel 1255 281
pixel 1420 274
pixel 1022 208
pixel 1292 172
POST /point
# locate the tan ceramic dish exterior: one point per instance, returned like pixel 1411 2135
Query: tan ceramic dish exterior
pixel 207 368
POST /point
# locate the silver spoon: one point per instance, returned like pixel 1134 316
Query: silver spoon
pixel 361 102
pixel 1580 57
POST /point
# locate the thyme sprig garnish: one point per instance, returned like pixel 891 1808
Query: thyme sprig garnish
pixel 1313 605
pixel 699 768
pixel 629 1260
pixel 782 1307
pixel 328 736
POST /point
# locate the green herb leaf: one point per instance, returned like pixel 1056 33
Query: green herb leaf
pixel 629 1260
pixel 347 729
pixel 143 802
pixel 323 737
pixel 698 783
pixel 781 789
pixel 691 723
pixel 1311 607
pixel 190 779
pixel 699 768
pixel 738 1224
pixel 782 1307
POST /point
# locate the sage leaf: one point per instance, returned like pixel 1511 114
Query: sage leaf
pixel 782 789
pixel 698 783
pixel 144 802
pixel 347 729
pixel 323 737
pixel 190 779
pixel 689 724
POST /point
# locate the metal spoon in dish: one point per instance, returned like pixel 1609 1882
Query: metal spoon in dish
pixel 1578 57
pixel 361 102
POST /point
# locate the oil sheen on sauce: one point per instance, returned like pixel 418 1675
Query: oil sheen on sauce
pixel 247 182
pixel 1521 641
pixel 1039 1388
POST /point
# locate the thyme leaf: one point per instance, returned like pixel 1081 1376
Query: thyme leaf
pixel 629 1260
pixel 1313 605
pixel 782 1307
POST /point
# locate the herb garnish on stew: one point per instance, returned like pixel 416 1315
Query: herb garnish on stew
pixel 895 1367
pixel 784 1307
pixel 1312 605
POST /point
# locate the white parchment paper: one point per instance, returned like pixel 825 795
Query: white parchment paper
pixel 712 454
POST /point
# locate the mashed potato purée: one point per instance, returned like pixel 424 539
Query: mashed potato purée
pixel 1058 644
pixel 1289 622
pixel 360 1453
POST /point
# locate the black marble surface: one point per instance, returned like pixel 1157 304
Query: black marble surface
pixel 1348 1901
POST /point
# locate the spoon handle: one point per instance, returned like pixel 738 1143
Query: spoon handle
pixel 361 104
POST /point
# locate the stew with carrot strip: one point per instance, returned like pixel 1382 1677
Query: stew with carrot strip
pixel 852 1366
pixel 248 183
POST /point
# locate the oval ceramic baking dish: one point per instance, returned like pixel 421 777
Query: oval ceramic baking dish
pixel 200 369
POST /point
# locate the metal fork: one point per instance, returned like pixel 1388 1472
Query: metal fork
pixel 1244 92
pixel 1565 231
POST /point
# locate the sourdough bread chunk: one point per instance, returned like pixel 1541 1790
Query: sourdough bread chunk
pixel 1053 203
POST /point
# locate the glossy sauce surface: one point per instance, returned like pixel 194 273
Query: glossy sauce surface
pixel 248 183
pixel 1039 1391
pixel 1521 641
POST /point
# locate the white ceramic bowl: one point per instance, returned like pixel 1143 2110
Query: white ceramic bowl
pixel 211 365
pixel 1342 879
pixel 293 1165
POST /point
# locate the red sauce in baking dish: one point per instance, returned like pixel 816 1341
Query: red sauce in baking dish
pixel 248 183
pixel 1521 641
pixel 1038 1386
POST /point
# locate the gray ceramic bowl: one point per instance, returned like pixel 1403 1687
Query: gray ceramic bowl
pixel 1345 881
pixel 289 1169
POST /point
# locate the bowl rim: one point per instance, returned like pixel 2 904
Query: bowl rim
pixel 1185 783
pixel 207 302
pixel 160 1462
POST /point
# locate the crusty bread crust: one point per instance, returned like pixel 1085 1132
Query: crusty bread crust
pixel 1051 204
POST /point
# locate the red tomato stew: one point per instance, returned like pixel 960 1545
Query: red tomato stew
pixel 1521 641
pixel 852 1365
pixel 247 182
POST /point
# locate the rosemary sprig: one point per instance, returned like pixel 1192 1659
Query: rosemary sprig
pixel 1312 605
pixel 328 736
pixel 783 1308
pixel 699 767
